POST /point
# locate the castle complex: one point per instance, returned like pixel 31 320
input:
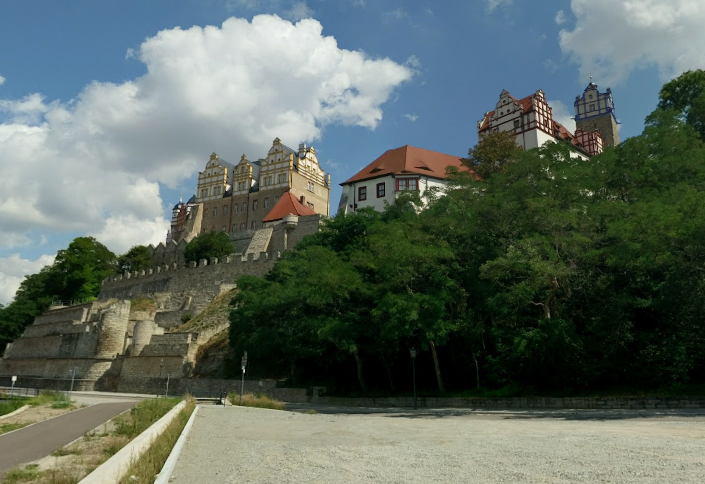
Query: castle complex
pixel 266 206
pixel 531 119
pixel 237 198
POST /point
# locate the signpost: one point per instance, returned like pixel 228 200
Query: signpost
pixel 166 395
pixel 12 389
pixel 243 364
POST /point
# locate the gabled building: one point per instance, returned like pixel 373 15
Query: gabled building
pixel 397 170
pixel 237 198
pixel 594 112
pixel 531 119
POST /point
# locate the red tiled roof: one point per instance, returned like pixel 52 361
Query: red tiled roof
pixel 409 160
pixel 288 204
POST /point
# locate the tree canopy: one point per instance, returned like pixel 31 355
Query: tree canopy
pixel 137 258
pixel 76 274
pixel 552 274
pixel 207 245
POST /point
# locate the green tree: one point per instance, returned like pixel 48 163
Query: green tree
pixel 82 266
pixel 137 258
pixel 207 245
pixel 493 153
pixel 686 94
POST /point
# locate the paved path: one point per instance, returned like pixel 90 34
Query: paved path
pixel 237 445
pixel 41 439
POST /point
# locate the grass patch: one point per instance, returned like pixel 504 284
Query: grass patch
pixel 9 406
pixel 22 474
pixel 142 416
pixel 5 428
pixel 146 468
pixel 143 304
pixel 62 451
pixel 255 400
pixel 52 398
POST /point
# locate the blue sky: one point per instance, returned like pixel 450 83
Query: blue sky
pixel 109 108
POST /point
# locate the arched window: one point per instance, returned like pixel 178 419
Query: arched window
pixel 244 207
pixel 235 207
pixel 254 225
pixel 242 226
pixel 266 203
pixel 224 228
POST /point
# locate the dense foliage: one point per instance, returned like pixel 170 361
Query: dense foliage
pixel 76 274
pixel 207 245
pixel 137 258
pixel 553 273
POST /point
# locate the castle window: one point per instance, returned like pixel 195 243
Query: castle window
pixel 235 207
pixel 234 227
pixel 253 226
pixel 517 124
pixel 362 193
pixel 224 228
pixel 276 200
pixel 215 211
pixel 244 207
pixel 592 107
pixel 266 203
pixel 225 210
pixel 380 190
pixel 255 204
pixel 311 187
pixel 242 226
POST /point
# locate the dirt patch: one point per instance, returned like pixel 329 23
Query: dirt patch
pixel 36 414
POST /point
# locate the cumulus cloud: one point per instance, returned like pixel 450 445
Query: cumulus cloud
pixel 612 38
pixel 12 272
pixel 563 114
pixel 94 163
pixel 2 80
pixel 492 5
pixel 358 3
pixel 411 117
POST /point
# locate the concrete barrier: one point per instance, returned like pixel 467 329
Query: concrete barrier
pixel 165 474
pixel 113 469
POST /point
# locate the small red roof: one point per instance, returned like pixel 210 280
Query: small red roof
pixel 409 160
pixel 288 204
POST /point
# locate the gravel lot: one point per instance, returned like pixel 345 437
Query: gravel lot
pixel 245 445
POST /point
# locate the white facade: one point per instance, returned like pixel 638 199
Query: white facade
pixel 392 185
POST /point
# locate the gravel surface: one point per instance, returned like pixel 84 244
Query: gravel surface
pixel 247 445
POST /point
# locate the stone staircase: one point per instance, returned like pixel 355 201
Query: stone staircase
pixel 260 241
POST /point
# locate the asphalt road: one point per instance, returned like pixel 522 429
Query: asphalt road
pixel 41 439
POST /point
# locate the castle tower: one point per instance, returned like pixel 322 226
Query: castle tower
pixel 594 111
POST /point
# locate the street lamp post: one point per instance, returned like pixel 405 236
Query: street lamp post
pixel 243 364
pixel 73 377
pixel 161 364
pixel 412 352
pixel 166 395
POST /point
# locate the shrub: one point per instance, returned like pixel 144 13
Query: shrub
pixel 259 401
pixel 186 317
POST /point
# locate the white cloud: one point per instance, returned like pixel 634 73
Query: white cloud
pixel 411 117
pixel 358 3
pixel 12 272
pixel 612 38
pixel 563 114
pixel 560 17
pixel 93 164
pixel 290 9
pixel 492 5
pixel 2 80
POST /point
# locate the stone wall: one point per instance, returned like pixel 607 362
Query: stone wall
pixel 203 280
pixel 517 403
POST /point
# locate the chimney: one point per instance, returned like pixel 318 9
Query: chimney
pixel 302 150
pixel 302 200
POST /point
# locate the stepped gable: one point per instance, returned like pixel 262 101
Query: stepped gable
pixel 287 205
pixel 409 160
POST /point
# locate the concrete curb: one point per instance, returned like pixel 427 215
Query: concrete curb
pixel 170 464
pixel 113 469
pixel 12 414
